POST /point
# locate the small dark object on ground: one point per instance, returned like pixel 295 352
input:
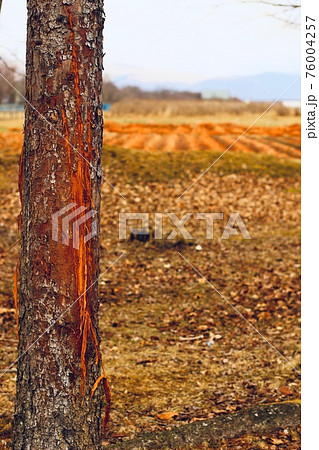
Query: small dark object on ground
pixel 139 234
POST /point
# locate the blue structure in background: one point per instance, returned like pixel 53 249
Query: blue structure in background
pixel 11 107
pixel 106 106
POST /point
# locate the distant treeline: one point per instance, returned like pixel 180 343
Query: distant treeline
pixel 173 108
pixel 113 94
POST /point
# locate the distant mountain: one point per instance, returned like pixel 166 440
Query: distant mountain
pixel 265 86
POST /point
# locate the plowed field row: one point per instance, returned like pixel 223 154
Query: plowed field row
pixel 279 141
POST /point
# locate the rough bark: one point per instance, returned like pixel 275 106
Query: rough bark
pixel 261 419
pixel 54 408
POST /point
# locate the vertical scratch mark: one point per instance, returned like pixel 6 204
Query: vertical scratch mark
pixel 81 194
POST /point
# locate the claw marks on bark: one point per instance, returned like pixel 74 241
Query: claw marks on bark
pixel 85 261
pixel 81 189
pixel 81 184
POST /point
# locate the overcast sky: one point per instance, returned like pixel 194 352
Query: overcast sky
pixel 179 40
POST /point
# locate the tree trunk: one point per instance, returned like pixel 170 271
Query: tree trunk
pixel 60 164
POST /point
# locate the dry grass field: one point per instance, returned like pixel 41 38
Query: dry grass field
pixel 194 109
pixel 170 343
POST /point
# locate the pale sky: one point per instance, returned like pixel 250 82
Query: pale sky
pixel 179 40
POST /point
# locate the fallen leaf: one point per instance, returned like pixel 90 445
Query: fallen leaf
pixel 284 390
pixel 276 441
pixel 167 415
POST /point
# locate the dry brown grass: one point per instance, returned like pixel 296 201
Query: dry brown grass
pixel 169 108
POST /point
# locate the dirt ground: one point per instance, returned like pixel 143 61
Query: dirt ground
pixel 279 141
pixel 170 342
